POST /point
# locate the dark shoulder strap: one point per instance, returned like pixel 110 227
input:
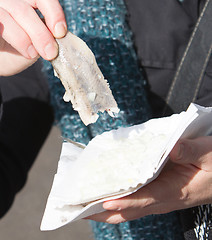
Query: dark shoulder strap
pixel 187 80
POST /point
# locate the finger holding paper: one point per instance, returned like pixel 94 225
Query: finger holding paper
pixel 180 185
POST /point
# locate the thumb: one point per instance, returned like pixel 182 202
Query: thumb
pixel 197 152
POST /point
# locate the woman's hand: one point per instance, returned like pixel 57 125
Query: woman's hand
pixel 185 182
pixel 24 36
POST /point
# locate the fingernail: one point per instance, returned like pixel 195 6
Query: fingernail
pixel 60 30
pixel 51 51
pixel 180 151
pixel 111 206
pixel 107 205
pixel 32 52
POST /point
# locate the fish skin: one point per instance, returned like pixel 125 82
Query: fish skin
pixel 82 79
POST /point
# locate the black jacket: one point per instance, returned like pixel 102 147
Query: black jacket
pixel 161 32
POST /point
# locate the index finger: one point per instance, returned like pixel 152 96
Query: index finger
pixel 40 35
pixel 54 16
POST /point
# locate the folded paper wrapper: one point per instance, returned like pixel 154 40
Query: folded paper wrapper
pixel 67 202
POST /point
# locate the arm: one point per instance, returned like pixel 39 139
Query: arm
pixel 23 35
pixel 184 183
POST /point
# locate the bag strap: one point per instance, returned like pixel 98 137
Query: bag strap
pixel 187 80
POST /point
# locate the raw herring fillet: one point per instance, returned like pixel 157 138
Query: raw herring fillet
pixel 82 79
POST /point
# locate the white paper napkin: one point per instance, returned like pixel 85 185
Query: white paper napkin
pixel 87 177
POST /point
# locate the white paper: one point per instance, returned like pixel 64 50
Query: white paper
pixel 66 202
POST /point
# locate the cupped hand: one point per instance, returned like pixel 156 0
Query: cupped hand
pixel 185 182
pixel 24 36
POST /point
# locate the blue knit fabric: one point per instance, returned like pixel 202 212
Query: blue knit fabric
pixel 153 227
pixel 102 25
